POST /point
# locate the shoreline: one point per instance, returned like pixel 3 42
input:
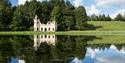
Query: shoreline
pixel 64 33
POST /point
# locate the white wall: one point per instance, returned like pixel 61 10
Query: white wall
pixel 51 26
pixel 49 39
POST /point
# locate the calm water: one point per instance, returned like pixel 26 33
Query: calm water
pixel 58 49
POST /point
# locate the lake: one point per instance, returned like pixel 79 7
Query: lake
pixel 61 49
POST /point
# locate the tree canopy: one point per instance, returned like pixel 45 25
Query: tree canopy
pixel 119 17
pixel 67 16
pixel 6 13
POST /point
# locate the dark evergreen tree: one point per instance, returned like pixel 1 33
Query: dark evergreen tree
pixel 81 18
pixel 119 17
pixel 6 13
pixel 108 18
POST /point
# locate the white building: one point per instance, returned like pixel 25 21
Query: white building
pixel 51 26
pixel 49 39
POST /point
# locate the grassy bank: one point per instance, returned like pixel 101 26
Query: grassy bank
pixel 111 39
pixel 65 33
pixel 108 25
pixel 99 28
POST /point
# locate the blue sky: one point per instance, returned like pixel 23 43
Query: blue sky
pixel 107 7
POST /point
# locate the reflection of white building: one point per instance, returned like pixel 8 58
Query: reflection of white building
pixel 51 26
pixel 49 39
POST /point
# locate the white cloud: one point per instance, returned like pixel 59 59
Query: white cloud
pixel 110 55
pixel 77 3
pixel 92 52
pixel 76 60
pixel 93 10
pixel 110 2
pixel 22 2
pixel 122 12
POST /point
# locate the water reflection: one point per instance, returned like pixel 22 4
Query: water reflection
pixel 63 50
pixel 100 55
pixel 49 39
pixel 58 49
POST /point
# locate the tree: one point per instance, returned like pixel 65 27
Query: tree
pixel 81 18
pixel 6 13
pixel 23 16
pixel 44 11
pixel 124 17
pixel 56 13
pixel 119 17
pixel 108 18
pixel 20 18
pixel 93 18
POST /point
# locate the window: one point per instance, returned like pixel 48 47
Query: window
pixel 37 29
pixel 53 29
pixel 49 36
pixel 41 36
pixel 41 29
pixel 53 36
pixel 49 29
pixel 37 43
pixel 45 36
pixel 45 29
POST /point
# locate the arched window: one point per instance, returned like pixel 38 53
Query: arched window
pixel 37 29
pixel 45 36
pixel 49 36
pixel 45 29
pixel 41 36
pixel 49 29
pixel 41 29
pixel 53 29
pixel 37 43
pixel 53 36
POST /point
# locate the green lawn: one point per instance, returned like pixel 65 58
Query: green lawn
pixel 101 28
pixel 65 33
pixel 110 39
pixel 108 25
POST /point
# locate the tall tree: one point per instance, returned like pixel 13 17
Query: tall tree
pixel 108 18
pixel 69 16
pixel 57 15
pixel 93 18
pixel 124 17
pixel 6 13
pixel 24 14
pixel 119 17
pixel 81 18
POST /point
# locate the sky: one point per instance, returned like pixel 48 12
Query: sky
pixel 100 55
pixel 107 7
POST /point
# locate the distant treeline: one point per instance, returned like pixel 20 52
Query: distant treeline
pixel 103 17
pixel 68 17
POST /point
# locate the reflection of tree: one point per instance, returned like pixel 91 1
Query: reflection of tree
pixel 14 46
pixel 100 46
pixel 106 46
pixel 6 51
pixel 66 48
pixel 43 54
pixel 120 46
